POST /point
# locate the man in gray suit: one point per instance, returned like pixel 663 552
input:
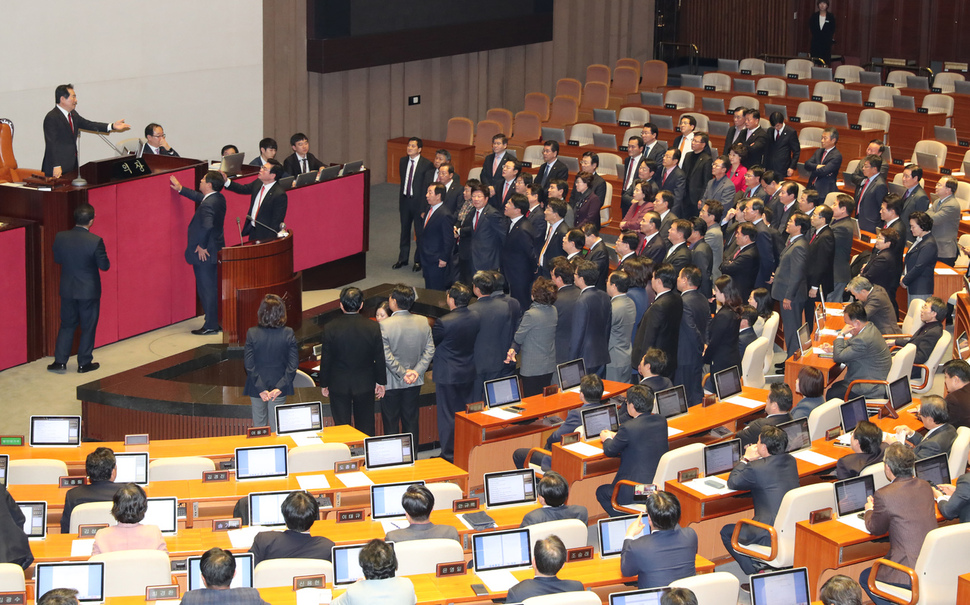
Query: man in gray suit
pixel 712 211
pixel 408 350
pixel 945 213
pixel 624 314
pixel 418 502
pixel 720 187
pixel 940 434
pixel 875 300
pixel 863 350
pixel 915 199
pixel 788 285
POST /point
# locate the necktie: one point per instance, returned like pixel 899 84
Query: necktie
pixel 407 187
pixel 629 175
pixel 814 235
pixel 683 146
pixel 304 165
pixel 906 195
pixel 495 164
pixel 748 136
pixel 70 121
pixel 643 245
pixel 478 213
pixel 776 134
pixel 864 187
pixel 428 217
pixel 259 201
pixel 435 177
pixel 546 244
pixel 505 190
pixel 736 253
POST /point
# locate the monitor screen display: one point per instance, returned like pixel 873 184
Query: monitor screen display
pixel 265 508
pixel 570 373
pixel 4 462
pixel 671 402
pixel 510 487
pixel 797 431
pixel 263 462
pixel 599 418
pixel 388 450
pixel 35 519
pixel 132 467
pixel 727 383
pixel 502 549
pixel 502 392
pixel 299 417
pixel 87 578
pixel 648 596
pixel 53 431
pixel 851 494
pixel 721 457
pixel 853 412
pixel 900 393
pixel 935 469
pixel 163 513
pixel 612 532
pixel 789 586
pixel 385 499
pixel 346 564
pixel 243 577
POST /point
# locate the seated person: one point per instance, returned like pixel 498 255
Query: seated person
pixel 840 590
pixel 156 143
pixel 218 568
pixel 301 160
pixel 300 510
pixel 956 378
pixel 418 502
pixel 867 447
pixel 678 596
pixel 952 500
pixel 875 300
pixel 100 468
pixel 776 412
pixel 553 493
pixel 59 596
pixel 863 351
pixel 130 504
pixel 267 152
pixel 939 432
pixel 932 314
pixel 378 562
pixel 591 393
pixel 667 553
pixel 228 150
pixel 811 384
pixel 747 335
pixel 16 546
pixel 652 367
pixel 548 557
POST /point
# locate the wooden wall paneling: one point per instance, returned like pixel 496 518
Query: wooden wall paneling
pixel 735 29
pixel 894 24
pixel 946 34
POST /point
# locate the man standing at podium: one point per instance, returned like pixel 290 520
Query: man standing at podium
pixel 62 125
pixel 268 209
pixel 205 239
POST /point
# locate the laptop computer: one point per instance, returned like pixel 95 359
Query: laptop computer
pixel 798 436
pixel 904 102
pixel 265 508
pixel 261 462
pixel 132 467
pixel 385 499
pixel 850 96
pixel 242 579
pixel 945 134
pixel 871 78
pixel 306 178
pixel 287 182
pixel 671 402
pixel 713 105
pixel 599 418
pixel 935 469
pixel 163 512
pixel 805 339
pixel 900 393
pixel 799 91
pixel 850 499
pixel 570 374
pixel 928 161
pixel 822 73
pixel 612 531
pixel 647 596
pixel 604 139
pixel 918 82
pixel 729 65
pixel 780 587
pixel 35 519
pixel 727 383
pixel 502 392
pixel 604 116
pixel 4 463
pixel 662 122
pixel 299 418
pixel 232 163
pixel 572 164
pixel 388 451
pixel 502 550
pixel 717 129
pixel 346 563
pixel 839 119
pixel 86 577
pixel 721 457
pixel 852 412
pixel 352 167
pixel 329 173
pixel 55 431
pixel 554 134
pixel 963 345
pixel 506 488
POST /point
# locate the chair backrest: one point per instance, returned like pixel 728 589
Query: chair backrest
pixel 810 136
pixel 770 332
pixel 302 380
pixel 91 513
pixel 703 122
pixel 533 154
pixel 683 99
pixel 940 349
pixel 280 572
pixel 878 472
pixel 912 321
pixel 626 80
pixel 316 457
pixel 461 131
pixel 959 452
pixel 691 81
pixel 606 212
pixel 422 556
pixel 608 162
pixel 852 165
pixel 474 173
pixel 942 559
pixel 811 111
pixel 596 95
pixel 580 597
pixel 800 67
pixel 822 73
pixel 528 125
pixel 795 507
pixel 7 159
pixel 674 461
pixel 12 578
pixel 444 494
pixel 570 87
pixel 898 77
pixel 902 363
pixel 874 118
pixel 484 132
pixel 565 111
pixel 573 532
pixel 128 572
pixel 627 62
pixel 37 471
pixel 718 588
pixel 503 117
pixel 882 96
pixel 653 75
pixel 849 73
pixel 742 101
pixel 930 146
pixel 537 102
pixel 753 363
pixel 944 81
pixel 598 73
pixel 636 116
pixel 829 91
pixel 775 86
pixel 824 417
pixel 179 468
pixel 720 82
pixel 937 103
pixel 755 66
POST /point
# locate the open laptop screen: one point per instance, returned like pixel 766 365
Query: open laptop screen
pixel 502 392
pixel 805 339
pixel 346 564
pixel 788 586
pixel 299 417
pixel 853 412
pixel 4 462
pixel 851 494
pixel 571 373
pixel 727 383
pixel 261 462
pixel 87 578
pixel 385 499
pixel 721 457
pixel 599 418
pixel 671 402
pixel 388 450
pixel 935 469
pixel 900 393
pixel 50 431
pixel 163 513
pixel 265 508
pixel 242 579
pixel 35 519
pixel 510 487
pixel 797 431
pixel 132 467
pixel 648 596
pixel 612 532
pixel 501 549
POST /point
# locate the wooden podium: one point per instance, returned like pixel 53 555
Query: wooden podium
pixel 249 272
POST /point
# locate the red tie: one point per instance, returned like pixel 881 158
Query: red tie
pixel 814 235
pixel 505 190
pixel 477 214
pixel 428 217
pixel 259 201
pixel 643 245
pixel 629 175
pixel 864 187
pixel 736 253
pixel 70 121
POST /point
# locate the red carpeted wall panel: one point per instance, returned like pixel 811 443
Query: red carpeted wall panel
pixel 13 298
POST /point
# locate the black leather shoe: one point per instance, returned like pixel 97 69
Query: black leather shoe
pixel 57 367
pixel 88 368
pixel 205 331
pixel 416 267
pixel 398 265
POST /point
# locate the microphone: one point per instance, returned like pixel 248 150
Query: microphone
pixel 110 144
pixel 249 218
pixel 239 227
pixel 282 232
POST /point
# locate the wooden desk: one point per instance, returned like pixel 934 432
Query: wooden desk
pixel 963 588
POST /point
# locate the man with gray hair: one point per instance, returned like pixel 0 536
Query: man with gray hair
pixel 939 432
pixel 863 350
pixel 875 300
pixel 549 555
pixel 841 590
pixel 925 339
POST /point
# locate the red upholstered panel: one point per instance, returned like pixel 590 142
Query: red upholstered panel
pixel 13 298
pixel 326 221
pixel 182 293
pixel 106 225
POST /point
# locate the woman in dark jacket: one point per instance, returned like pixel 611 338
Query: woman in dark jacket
pixel 722 350
pixel 271 360
pixel 588 205
pixel 885 265
pixel 822 26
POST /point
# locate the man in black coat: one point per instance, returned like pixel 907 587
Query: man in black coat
pixel 62 126
pixel 352 368
pixel 301 160
pixel 597 253
pixel 488 233
pixel 661 321
pixel 416 173
pixel 495 339
pixel 693 334
pixel 205 239
pixel 518 251
pixel 821 254
pixel 552 168
pixel 300 510
pixel 453 369
pixel 555 229
pixel 100 468
pixel 755 139
pixel 742 266
pixel 156 143
pixel 81 255
pixel 697 166
pixel 777 411
pixel 268 203
pixel 438 239
pixel 14 544
pixel 492 166
pixel 591 321
pixel 563 274
pixel 783 150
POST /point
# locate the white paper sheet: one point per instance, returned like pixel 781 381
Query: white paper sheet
pixel 311 482
pixel 392 524
pixel 500 414
pixel 854 521
pixel 671 431
pixel 244 536
pixel 813 458
pixel 313 596
pixel 306 438
pixel 945 272
pixel 82 547
pixel 744 402
pixel 699 486
pixel 498 580
pixel 837 312
pixel 355 479
pixel 829 332
pixel 583 449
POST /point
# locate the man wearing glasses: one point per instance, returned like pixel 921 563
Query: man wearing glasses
pixel 155 142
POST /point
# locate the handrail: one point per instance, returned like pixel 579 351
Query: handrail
pixel 692 57
pixel 917 69
pixel 816 60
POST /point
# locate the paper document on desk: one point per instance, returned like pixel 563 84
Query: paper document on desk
pixel 500 414
pixel 355 479
pixel 312 482
pixel 744 402
pixel 814 458
pixel 819 351
pixel 244 536
pixel 392 524
pixel 306 438
pixel 583 449
pixel 828 332
pixel 82 548
pixel 836 312
pixel 699 485
pixel 671 431
pixel 313 596
pixel 945 271
pixel 853 520
pixel 497 580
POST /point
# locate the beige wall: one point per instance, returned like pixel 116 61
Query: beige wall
pixel 350 115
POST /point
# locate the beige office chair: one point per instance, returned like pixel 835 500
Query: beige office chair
pixel 607 165
pixel 316 458
pixel 584 133
pixel 606 212
pixel 444 494
pixel 474 173
pixel 878 473
pixel 720 82
pixel 942 559
pixel 128 572
pixel 877 119
pixel 580 597
pixel 775 86
pixel 36 471
pixel 718 588
pixel 825 417
pixel 12 578
pixel 944 81
pixel 898 78
pixel 753 363
pixel 882 96
pixel 179 468
pixel 755 66
pixel 683 99
pixel 422 556
pixel 812 111
pixel 533 154
pixel 959 452
pixel 902 366
pixel 742 101
pixel 636 116
pixel 91 513
pixel 671 463
pixel 929 368
pixel 460 130
pixel 829 91
pixel 302 380
pixel 573 532
pixel 937 103
pixel 801 67
pixel 280 572
pixel 849 73
pixel 770 332
pixel 930 146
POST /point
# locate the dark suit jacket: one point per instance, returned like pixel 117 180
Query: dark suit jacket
pixel 600 255
pixel 698 174
pixel 767 258
pixel 660 557
pixel 488 177
pixel 487 239
pixel 558 171
pixel 743 269
pixel 214 596
pixel 915 201
pixel 679 257
pixel 492 343
pixel 938 443
pixel 822 37
pixel 206 226
pixel 867 206
pixel 768 479
pixel 438 238
pixel 694 321
pixel 920 261
pixel 702 257
pixel 722 337
pixel 14 546
pixel 958 406
pixel 542 586
pixel 271 359
pixel 658 328
pixel 352 355
pixel 423 176
pixel 853 464
pixel 639 444
pixel 588 210
pixel 823 175
pixel 590 335
pixel 782 154
pixel 537 218
pixel 745 337
pixel 292 165
pixel 554 249
pixel 498 200
pixel 272 209
pixel 454 337
pixel 750 433
pixel 81 255
pixel 290 544
pixel 61 141
pixel 519 261
pixel 756 143
pixel 731 137
pixel 555 513
pixel 655 249
pixel 98 491
pixel 454 196
pixel 904 509
pixel 880 311
pixel 146 149
pixel 821 251
pixel 844 232
pixel 956 506
pixel 565 304
pixel 626 166
pixel 676 183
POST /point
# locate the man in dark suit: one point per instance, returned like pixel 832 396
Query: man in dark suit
pixel 755 139
pixel 492 166
pixel 505 185
pixel 552 167
pixel 205 239
pixel 352 369
pixel 952 499
pixel 639 444
pixel 697 166
pixel 956 377
pixel 81 255
pixel 554 232
pixel 903 509
pixel 267 152
pixel 592 317
pixel 416 172
pixel 553 492
pixel 769 473
pixel 765 241
pixel 673 178
pixel 597 253
pixel 870 194
pixel 678 254
pixel 590 162
pixel 783 148
pixel 702 256
pixel 488 233
pixel 218 569
pixel 692 336
pixel 753 186
pixel 743 263
pixel 737 130
pixel 788 285
pixel 879 309
pixel 549 555
pixel 682 142
pixel 453 368
pixel 747 335
pixel 156 143
pixel 438 239
pixel 889 211
pixel 940 434
pixel 495 338
pixel 15 545
pixel 824 165
pixel 777 410
pixel 788 198
pixel 653 245
pixel 563 274
pixel 300 510
pixel 536 214
pixel 653 149
pixel 863 350
pixel 62 126
pixel 301 160
pixel 268 209
pixel 518 251
pixel 454 194
pixel 821 251
pixel 915 199
pixel 631 166
pixel 867 449
pixel 667 552
pixel 661 321
pixel 100 469
pixel 843 232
